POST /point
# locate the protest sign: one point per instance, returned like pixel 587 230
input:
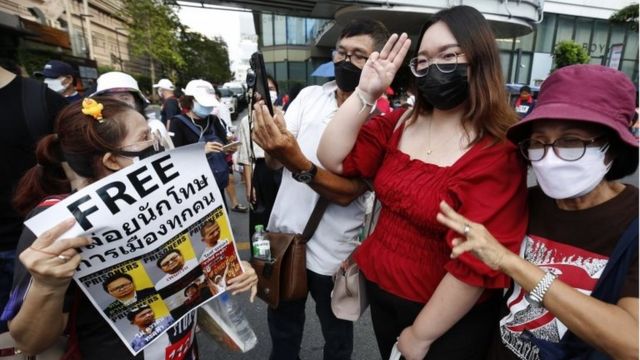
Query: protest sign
pixel 162 243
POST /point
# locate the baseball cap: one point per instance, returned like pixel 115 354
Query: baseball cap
pixel 608 99
pixel 116 81
pixel 164 84
pixel 202 91
pixel 56 68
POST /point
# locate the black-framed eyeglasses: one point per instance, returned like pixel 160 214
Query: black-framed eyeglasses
pixel 566 148
pixel 446 62
pixel 356 59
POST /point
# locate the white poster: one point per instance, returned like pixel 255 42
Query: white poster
pixel 162 242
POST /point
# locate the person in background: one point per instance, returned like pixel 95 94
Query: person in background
pixel 450 146
pixel 198 125
pixel 291 142
pixel 261 182
pixel 524 103
pixel 32 108
pixel 294 90
pixel 123 87
pixel 61 78
pixel 575 284
pixel 44 300
pixel 170 106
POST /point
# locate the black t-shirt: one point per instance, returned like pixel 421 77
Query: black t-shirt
pixel 169 109
pixel 97 340
pixel 574 244
pixel 17 146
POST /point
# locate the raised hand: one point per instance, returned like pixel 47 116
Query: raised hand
pixel 381 68
pixel 52 261
pixel 476 238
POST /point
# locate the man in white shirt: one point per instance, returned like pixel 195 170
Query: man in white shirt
pixel 302 184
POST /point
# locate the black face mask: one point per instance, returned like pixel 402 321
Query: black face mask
pixel 347 75
pixel 444 90
pixel 142 154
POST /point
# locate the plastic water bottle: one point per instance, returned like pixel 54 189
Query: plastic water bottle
pixel 261 247
pixel 238 320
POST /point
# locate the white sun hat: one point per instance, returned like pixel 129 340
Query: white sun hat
pixel 116 81
pixel 164 84
pixel 202 91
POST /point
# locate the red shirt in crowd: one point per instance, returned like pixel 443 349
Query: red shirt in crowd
pixel 408 253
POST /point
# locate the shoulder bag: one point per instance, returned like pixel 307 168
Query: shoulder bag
pixel 283 277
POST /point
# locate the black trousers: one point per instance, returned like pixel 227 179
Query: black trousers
pixel 468 339
pixel 286 324
pixel 266 183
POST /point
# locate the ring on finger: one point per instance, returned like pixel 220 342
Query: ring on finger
pixel 466 229
pixel 63 258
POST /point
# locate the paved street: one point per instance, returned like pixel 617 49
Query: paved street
pixel 365 347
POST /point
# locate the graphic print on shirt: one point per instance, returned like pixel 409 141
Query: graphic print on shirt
pixel 576 267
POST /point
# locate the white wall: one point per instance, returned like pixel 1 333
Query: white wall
pixel 587 8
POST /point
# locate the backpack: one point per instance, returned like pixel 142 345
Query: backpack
pixel 217 162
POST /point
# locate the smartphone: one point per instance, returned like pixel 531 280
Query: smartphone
pixel 259 83
pixel 230 145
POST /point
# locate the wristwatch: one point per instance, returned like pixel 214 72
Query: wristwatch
pixel 536 295
pixel 305 176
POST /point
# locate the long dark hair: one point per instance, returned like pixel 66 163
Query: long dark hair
pixel 78 139
pixel 487 109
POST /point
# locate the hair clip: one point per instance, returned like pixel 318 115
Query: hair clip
pixel 92 108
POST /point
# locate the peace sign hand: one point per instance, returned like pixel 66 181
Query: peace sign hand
pixel 52 261
pixel 381 68
pixel 476 238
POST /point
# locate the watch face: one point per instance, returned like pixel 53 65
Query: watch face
pixel 303 177
pixel 531 301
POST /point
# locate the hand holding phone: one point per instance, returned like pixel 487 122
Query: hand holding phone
pixel 259 83
pixel 231 145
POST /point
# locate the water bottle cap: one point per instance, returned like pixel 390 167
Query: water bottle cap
pixel 259 228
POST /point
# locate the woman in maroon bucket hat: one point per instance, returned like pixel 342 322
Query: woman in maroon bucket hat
pixel 575 283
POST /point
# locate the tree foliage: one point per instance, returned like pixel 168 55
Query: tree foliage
pixel 628 14
pixel 153 28
pixel 569 52
pixel 205 58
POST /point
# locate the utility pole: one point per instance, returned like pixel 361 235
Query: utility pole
pixel 118 45
pixel 84 35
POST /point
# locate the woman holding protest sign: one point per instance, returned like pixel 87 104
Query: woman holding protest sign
pixel 92 140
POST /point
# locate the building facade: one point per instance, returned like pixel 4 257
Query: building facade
pixel 292 51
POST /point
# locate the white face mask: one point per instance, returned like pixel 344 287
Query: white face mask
pixel 274 96
pixel 561 179
pixel 201 111
pixel 55 85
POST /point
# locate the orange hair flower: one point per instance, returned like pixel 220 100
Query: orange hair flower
pixel 92 108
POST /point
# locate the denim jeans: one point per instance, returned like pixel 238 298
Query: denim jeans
pixel 7 263
pixel 286 324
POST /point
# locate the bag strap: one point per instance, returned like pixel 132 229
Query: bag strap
pixel 314 219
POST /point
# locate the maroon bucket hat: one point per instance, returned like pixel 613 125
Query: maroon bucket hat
pixel 590 93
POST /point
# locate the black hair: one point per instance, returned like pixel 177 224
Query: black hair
pixel 367 26
pixel 135 311
pixel 525 88
pixel 167 254
pixel 624 157
pixel 192 285
pixel 273 80
pixel 114 277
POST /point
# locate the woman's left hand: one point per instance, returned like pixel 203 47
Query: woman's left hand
pixel 245 281
pixel 412 347
pixel 476 238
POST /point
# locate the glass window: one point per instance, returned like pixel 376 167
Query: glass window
pixel 270 67
pixel 595 60
pixel 631 47
pixel 583 32
pixel 281 72
pixel 600 34
pixel 295 31
pixel 630 68
pixel 505 60
pixel 267 29
pixel 525 67
pixel 565 29
pixel 298 71
pixel 313 28
pixel 617 36
pixel 280 30
pixel 545 30
pixel 525 42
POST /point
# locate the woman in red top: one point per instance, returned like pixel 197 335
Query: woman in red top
pixel 450 147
